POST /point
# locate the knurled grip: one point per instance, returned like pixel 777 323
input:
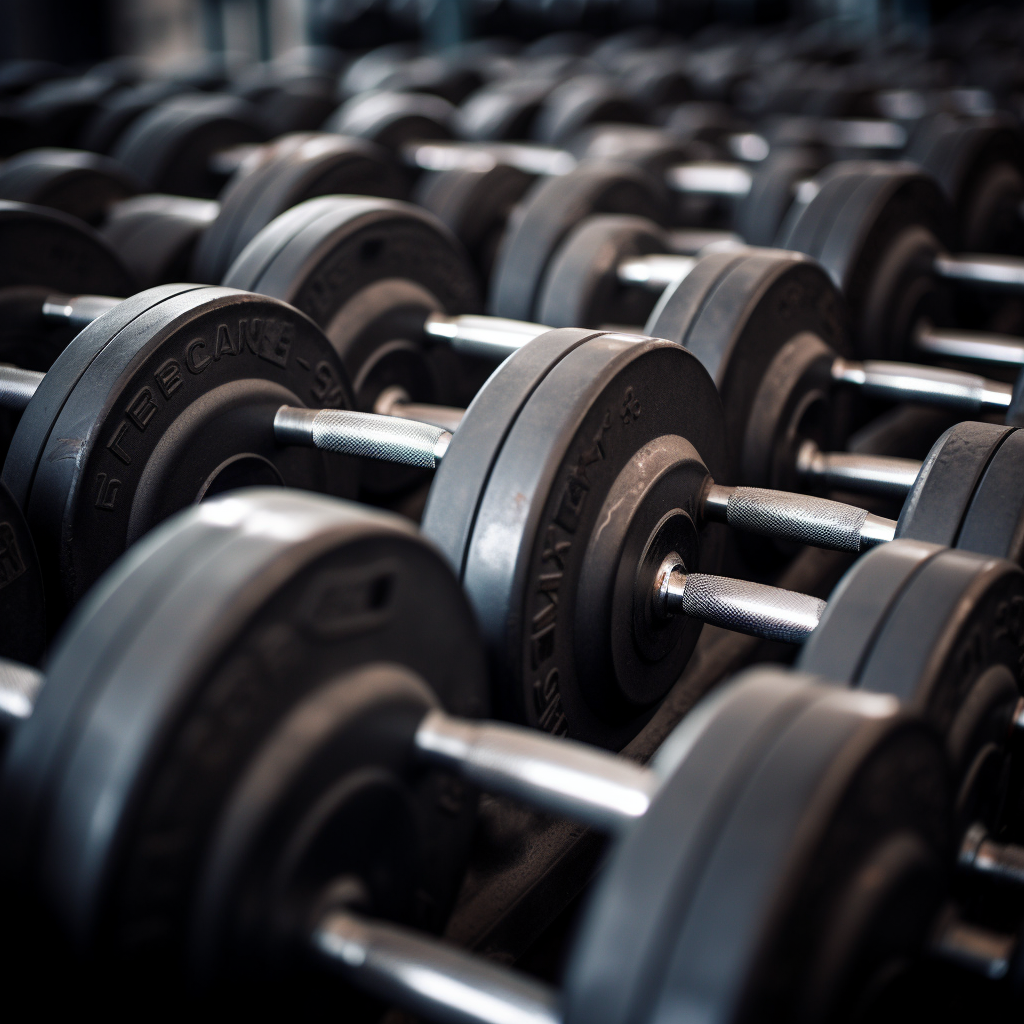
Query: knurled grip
pixel 390 439
pixel 797 517
pixel 751 608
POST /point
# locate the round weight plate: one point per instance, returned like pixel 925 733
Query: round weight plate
pixel 22 605
pixel 581 101
pixel 994 523
pixel 392 119
pixel 461 480
pixel 292 169
pixel 754 865
pixel 161 405
pixel 57 111
pixel 548 213
pixel 369 271
pixel 744 314
pixel 81 184
pixel 939 501
pixel 156 235
pixel 121 108
pixel 760 213
pixel 648 148
pixel 581 287
pixel 979 162
pixel 171 148
pixel 475 206
pixel 532 571
pixel 50 249
pixel 502 110
pixel 290 614
pixel 857 609
pixel 876 228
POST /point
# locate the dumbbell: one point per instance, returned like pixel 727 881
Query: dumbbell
pixel 768 327
pixel 764 339
pixel 165 238
pixel 348 786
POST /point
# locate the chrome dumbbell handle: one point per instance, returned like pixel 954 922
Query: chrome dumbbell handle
pixel 491 337
pixel 886 475
pixel 363 434
pixel 969 393
pixel 982 855
pixel 801 518
pixel 975 268
pixel 76 311
pixel 428 978
pixel 756 609
pixel 981 346
pixel 562 777
pixel 19 687
pixel 17 387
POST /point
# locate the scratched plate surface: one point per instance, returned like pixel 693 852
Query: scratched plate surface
pixel 585 421
pixel 165 399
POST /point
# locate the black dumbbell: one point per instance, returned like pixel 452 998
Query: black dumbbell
pixel 166 238
pixel 347 788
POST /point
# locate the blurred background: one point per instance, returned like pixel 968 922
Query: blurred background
pixel 169 31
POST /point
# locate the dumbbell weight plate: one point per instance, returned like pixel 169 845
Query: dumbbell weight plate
pixel 944 493
pixel 993 523
pixel 591 468
pixel 768 854
pixel 292 169
pixel 760 213
pixel 170 148
pixel 578 102
pixel 156 235
pixel 369 272
pixel 876 228
pixel 548 213
pixel 757 316
pixel 392 119
pixel 475 206
pixel 81 184
pixel 153 408
pixel 941 630
pixel 121 108
pixel 294 602
pixel 41 252
pixel 22 604
pixel 581 287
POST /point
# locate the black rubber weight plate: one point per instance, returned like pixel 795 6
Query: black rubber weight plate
pixel 857 609
pixel 48 248
pixel 744 868
pixel 278 575
pixel 22 605
pixel 546 215
pixel 595 413
pixel 294 168
pixel 581 286
pixel 159 407
pixel 994 524
pixel 942 495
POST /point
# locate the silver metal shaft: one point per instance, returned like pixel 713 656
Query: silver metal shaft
pixel 983 346
pixel 991 271
pixel 365 434
pixel 394 401
pixel 976 949
pixel 429 978
pixel 559 776
pixel 932 385
pixel 707 177
pixel 77 311
pixel 802 518
pixel 489 337
pixel 752 608
pixel 438 155
pixel 19 687
pixel 656 272
pixel 981 854
pixel 886 475
pixel 17 387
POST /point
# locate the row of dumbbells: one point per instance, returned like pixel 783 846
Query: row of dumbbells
pixel 578 431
